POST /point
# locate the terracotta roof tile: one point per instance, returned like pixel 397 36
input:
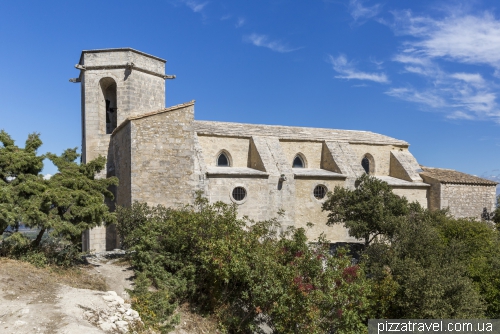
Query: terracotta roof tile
pixel 452 176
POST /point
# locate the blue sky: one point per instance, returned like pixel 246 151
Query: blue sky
pixel 427 72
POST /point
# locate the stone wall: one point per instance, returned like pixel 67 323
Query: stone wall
pixel 381 155
pixel 266 195
pixel 308 210
pixel 309 150
pixel 467 200
pixel 254 205
pixel 163 157
pixel 433 193
pixel 412 194
pixel 237 149
pixel 122 160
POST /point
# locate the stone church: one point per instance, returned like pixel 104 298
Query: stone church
pixel 162 155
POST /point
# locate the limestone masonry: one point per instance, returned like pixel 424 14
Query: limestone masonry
pixel 163 155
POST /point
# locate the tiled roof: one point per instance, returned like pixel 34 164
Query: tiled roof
pixel 452 176
pixel 292 133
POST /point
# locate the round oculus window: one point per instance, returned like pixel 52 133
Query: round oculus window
pixel 239 194
pixel 319 191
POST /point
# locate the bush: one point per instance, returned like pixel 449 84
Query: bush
pixel 51 251
pixel 242 272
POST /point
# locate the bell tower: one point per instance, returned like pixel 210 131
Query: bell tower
pixel 116 84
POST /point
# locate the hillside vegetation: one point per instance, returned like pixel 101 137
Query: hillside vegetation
pixel 251 276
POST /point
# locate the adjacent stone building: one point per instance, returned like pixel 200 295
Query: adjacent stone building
pixel 163 155
pixel 465 195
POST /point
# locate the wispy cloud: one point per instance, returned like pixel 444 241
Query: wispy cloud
pixel 460 115
pixel 475 79
pixel 241 22
pixel 378 63
pixel 465 38
pixel 455 38
pixel 428 98
pixel 461 95
pixel 266 42
pixel 348 71
pixel 195 6
pixel 361 13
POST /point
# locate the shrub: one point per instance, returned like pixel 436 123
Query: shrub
pixel 242 272
pixel 54 251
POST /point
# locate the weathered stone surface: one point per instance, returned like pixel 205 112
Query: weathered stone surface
pixel 404 166
pixel 227 129
pixel 464 195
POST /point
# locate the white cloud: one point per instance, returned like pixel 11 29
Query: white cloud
pixel 264 41
pixel 460 115
pixel 47 176
pixel 475 79
pixel 465 38
pixel 241 21
pixel 454 38
pixel 360 12
pixel 427 98
pixel 460 95
pixel 378 63
pixel 348 71
pixel 411 59
pixel 195 6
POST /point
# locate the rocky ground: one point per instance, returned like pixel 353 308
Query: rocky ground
pixel 87 300
pixel 34 300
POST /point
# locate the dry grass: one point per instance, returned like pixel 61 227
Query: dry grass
pixel 23 277
pixel 192 322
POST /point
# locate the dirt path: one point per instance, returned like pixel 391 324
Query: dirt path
pixel 36 300
pixel 41 301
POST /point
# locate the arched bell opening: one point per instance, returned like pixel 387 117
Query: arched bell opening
pixel 110 105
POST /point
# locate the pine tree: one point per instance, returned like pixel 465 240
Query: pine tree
pixel 66 204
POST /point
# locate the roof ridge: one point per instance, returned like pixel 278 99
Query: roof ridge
pixel 286 132
pixel 152 113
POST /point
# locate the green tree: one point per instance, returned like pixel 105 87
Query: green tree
pixel 425 264
pixel 431 271
pixel 496 214
pixel 67 204
pixel 476 245
pixel 368 211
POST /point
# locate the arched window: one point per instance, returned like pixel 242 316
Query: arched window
pixel 368 164
pixel 298 162
pixel 223 160
pixel 108 88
